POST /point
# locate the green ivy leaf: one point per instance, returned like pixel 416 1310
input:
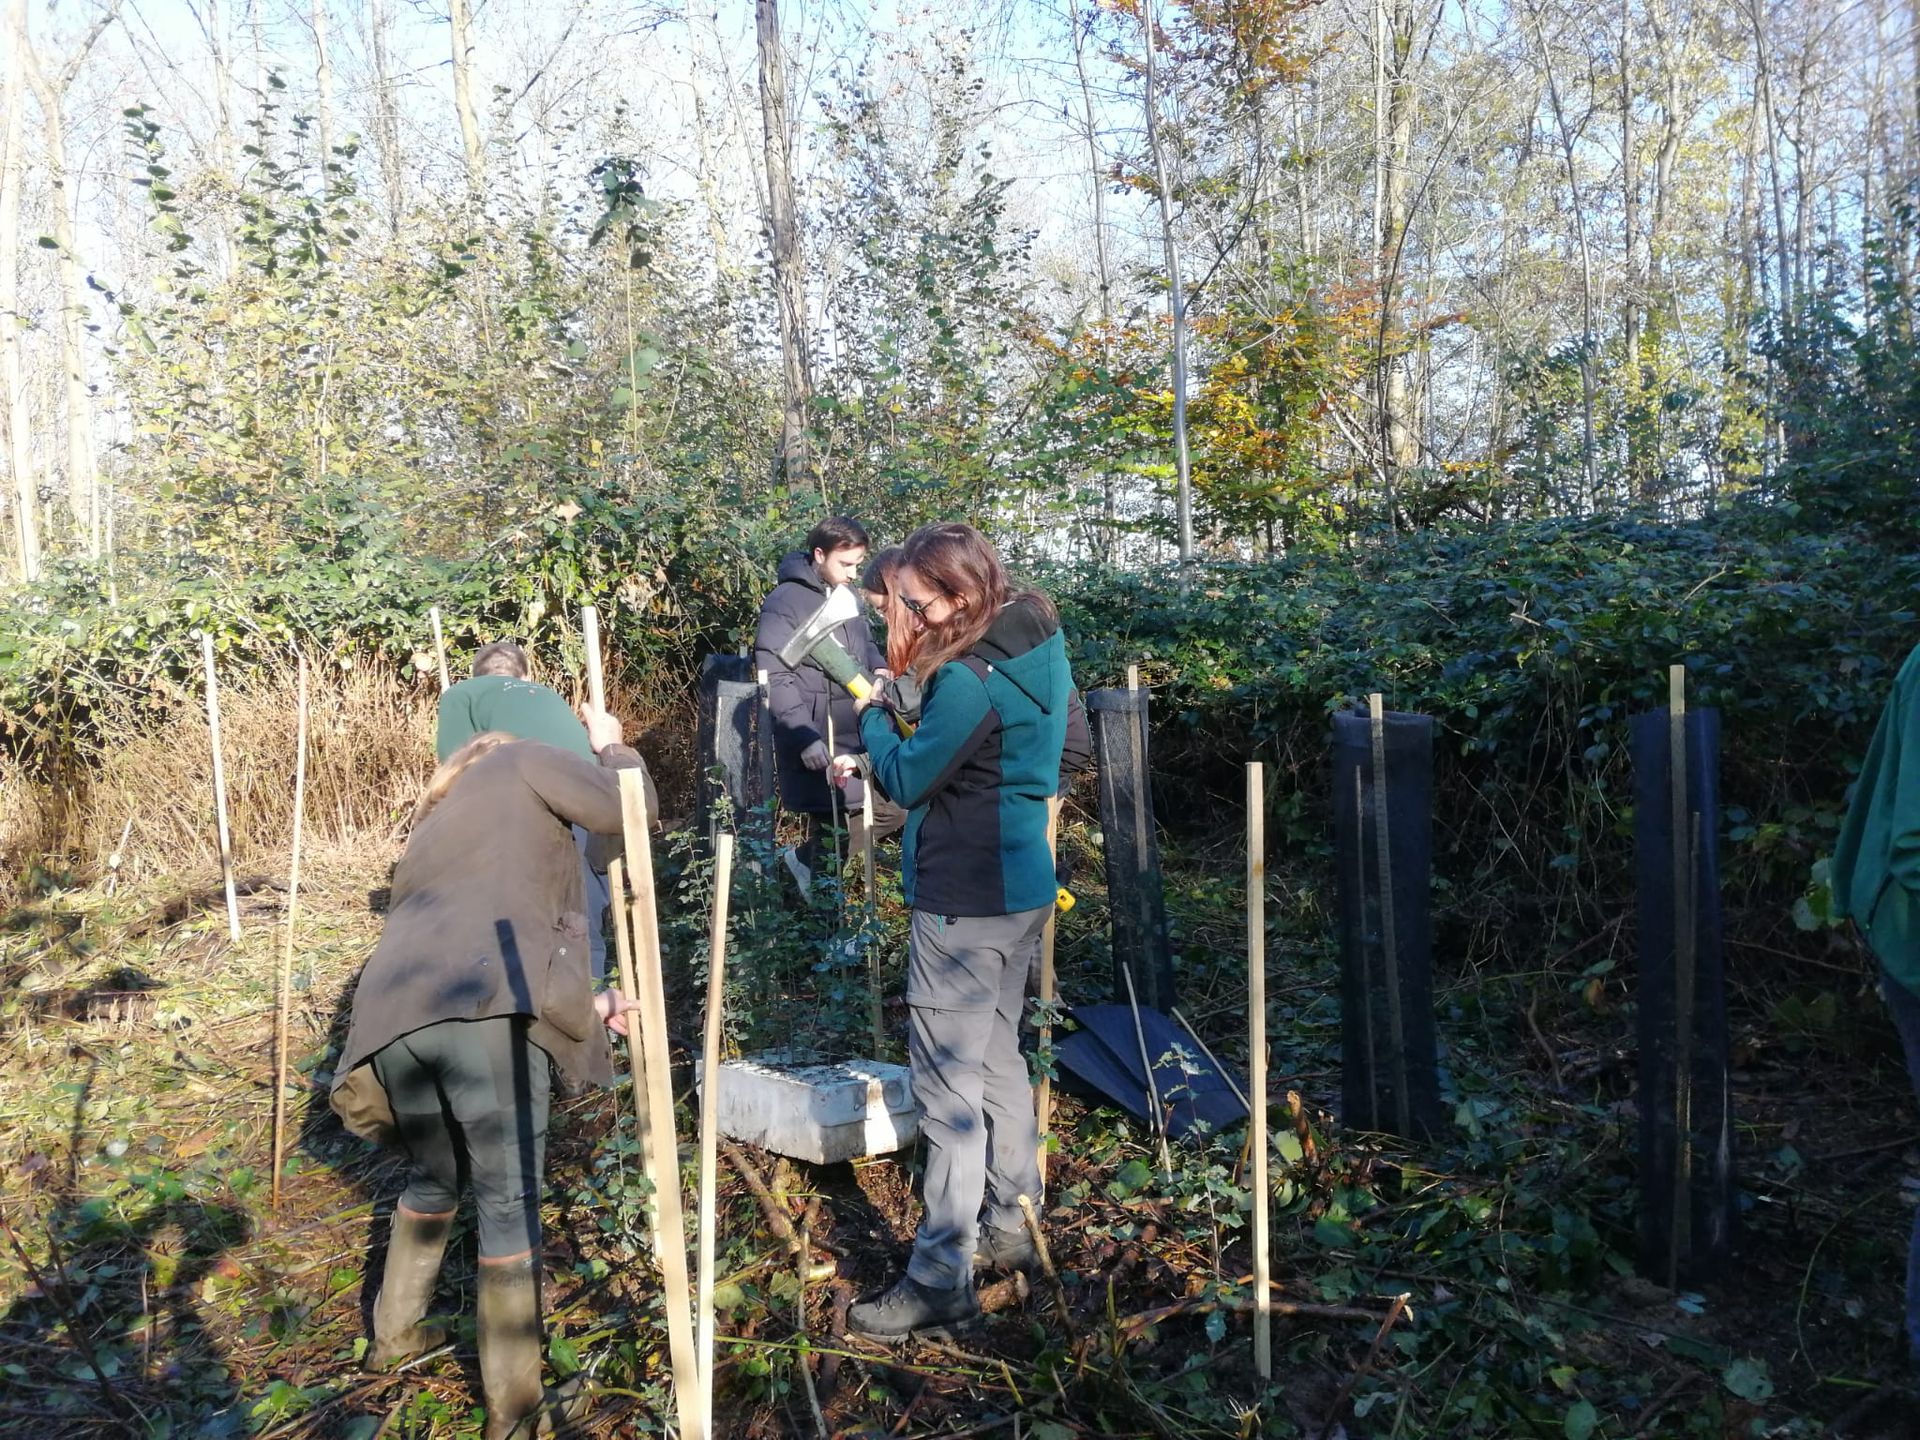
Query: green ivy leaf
pixel 1582 1420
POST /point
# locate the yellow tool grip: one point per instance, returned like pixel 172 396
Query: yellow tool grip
pixel 1063 900
pixel 860 687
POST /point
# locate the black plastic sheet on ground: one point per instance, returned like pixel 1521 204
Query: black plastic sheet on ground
pixel 1135 898
pixel 1389 1060
pixel 732 744
pixel 1686 1116
pixel 1103 1056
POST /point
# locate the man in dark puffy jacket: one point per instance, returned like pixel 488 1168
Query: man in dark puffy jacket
pixel 813 718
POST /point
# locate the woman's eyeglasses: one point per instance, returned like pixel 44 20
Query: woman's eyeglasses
pixel 918 607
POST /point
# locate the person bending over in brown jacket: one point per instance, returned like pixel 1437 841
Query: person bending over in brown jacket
pixel 478 988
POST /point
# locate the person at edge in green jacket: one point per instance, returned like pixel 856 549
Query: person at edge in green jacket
pixel 503 696
pixel 1876 881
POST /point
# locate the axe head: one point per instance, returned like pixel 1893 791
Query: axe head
pixel 840 606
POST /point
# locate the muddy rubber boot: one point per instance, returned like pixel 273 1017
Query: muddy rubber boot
pixel 414 1249
pixel 510 1346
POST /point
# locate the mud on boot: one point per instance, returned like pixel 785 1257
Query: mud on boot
pixel 911 1308
pixel 414 1251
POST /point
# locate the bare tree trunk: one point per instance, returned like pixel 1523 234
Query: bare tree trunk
pixel 789 272
pixel 1096 176
pixel 1176 295
pixel 83 487
pixel 12 373
pixel 1633 293
pixel 1588 454
pixel 323 73
pixel 463 99
pixel 1783 258
pixel 386 113
pixel 1394 104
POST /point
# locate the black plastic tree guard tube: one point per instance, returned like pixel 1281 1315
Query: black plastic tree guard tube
pixel 1687 1201
pixel 732 748
pixel 1383 844
pixel 1135 897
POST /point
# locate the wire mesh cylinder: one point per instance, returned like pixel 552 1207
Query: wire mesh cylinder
pixel 1687 1202
pixel 1135 898
pixel 733 749
pixel 1383 791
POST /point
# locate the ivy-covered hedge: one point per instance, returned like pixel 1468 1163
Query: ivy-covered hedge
pixel 1530 644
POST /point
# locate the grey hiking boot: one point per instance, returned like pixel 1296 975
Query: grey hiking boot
pixel 511 1345
pixel 414 1251
pixel 911 1308
pixel 999 1249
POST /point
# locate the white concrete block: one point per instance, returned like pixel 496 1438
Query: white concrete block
pixel 818 1112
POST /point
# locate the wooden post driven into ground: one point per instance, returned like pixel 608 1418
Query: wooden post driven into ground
pixel 669 1220
pixel 440 648
pixel 220 788
pixel 284 990
pixel 1684 938
pixel 1257 1061
pixel 710 1115
pixel 1043 1094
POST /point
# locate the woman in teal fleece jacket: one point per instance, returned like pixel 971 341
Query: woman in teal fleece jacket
pixel 978 875
pixel 1876 880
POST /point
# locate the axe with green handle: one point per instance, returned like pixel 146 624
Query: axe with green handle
pixel 815 640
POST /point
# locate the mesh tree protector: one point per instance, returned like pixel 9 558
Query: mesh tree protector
pixel 733 745
pixel 1383 845
pixel 1687 1201
pixel 1135 898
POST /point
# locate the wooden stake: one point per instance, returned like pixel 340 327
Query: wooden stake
pixel 1389 947
pixel 1257 1060
pixel 1043 1094
pixel 622 936
pixel 285 994
pixel 708 1193
pixel 876 1018
pixel 220 789
pixel 596 677
pixel 1681 1238
pixel 1047 1269
pixel 439 649
pixel 1364 951
pixel 1153 1086
pixel 1140 835
pixel 669 1219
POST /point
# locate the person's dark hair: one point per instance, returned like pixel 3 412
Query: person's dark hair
pixel 960 563
pixel 502 657
pixel 836 534
pixel 878 579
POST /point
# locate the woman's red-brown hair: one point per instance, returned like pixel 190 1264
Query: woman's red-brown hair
pixel 957 561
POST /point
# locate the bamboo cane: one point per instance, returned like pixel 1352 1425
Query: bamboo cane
pixel 710 1113
pixel 1153 1086
pixel 1389 947
pixel 1681 1239
pixel 669 1219
pixel 439 649
pixel 1043 1093
pixel 220 789
pixel 1257 1060
pixel 284 996
pixel 875 1001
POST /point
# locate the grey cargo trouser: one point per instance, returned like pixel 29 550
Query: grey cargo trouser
pixel 966 986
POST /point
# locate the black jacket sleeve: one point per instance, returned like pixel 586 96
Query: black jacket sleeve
pixel 793 717
pixel 1077 754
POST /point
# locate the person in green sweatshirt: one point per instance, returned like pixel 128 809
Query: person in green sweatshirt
pixel 502 695
pixel 1876 881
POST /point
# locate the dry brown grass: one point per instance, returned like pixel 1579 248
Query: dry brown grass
pixel 148 768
